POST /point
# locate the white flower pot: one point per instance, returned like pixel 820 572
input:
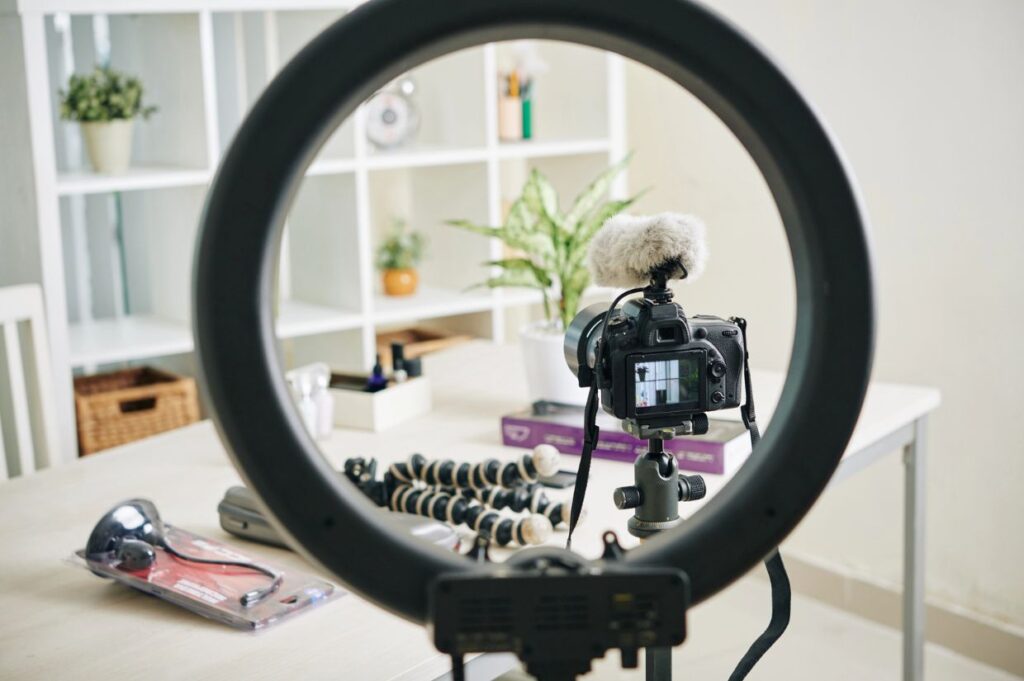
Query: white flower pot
pixel 109 144
pixel 548 377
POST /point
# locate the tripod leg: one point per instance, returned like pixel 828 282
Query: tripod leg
pixel 659 664
pixel 458 668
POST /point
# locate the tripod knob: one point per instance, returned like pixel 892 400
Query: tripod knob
pixel 691 487
pixel 627 497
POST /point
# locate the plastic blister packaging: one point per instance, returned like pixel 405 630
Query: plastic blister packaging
pixel 215 591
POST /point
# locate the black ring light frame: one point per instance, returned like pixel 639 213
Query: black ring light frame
pixel 323 85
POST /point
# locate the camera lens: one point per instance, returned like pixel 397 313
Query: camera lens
pixel 582 335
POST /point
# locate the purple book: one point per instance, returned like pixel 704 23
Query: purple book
pixel 722 450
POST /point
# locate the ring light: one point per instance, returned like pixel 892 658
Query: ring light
pixel 373 44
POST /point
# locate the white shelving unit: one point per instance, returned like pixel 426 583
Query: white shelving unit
pixel 116 250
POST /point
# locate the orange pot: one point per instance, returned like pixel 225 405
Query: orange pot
pixel 400 282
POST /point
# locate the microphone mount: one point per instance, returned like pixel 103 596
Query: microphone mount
pixel 658 291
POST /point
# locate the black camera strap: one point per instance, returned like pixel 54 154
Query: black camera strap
pixel 747 410
pixel 781 593
pixel 591 431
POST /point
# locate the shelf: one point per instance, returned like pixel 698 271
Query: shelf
pixel 138 337
pixel 331 166
pixel 425 156
pixel 430 302
pixel 145 177
pixel 126 338
pixel 297 318
pixel 533 149
pixel 225 54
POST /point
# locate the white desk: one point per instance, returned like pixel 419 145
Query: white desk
pixel 59 621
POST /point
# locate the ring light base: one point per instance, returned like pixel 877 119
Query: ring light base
pixel 558 613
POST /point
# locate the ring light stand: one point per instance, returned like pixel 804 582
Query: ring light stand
pixel 242 373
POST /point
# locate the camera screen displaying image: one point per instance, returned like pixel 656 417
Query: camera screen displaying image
pixel 667 383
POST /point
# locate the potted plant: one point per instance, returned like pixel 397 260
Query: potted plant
pixel 549 254
pixel 105 103
pixel 397 258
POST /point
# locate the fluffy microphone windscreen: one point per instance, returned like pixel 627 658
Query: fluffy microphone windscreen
pixel 628 249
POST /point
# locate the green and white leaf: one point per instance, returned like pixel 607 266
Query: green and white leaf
pixel 494 232
pixel 511 279
pixel 572 292
pixel 541 198
pixel 593 223
pixel 553 245
pixel 522 265
pixel 593 194
pixel 524 231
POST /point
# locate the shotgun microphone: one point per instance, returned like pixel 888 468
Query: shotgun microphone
pixel 631 250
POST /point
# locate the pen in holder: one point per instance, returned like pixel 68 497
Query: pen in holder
pixel 515 110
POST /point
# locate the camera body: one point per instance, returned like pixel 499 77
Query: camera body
pixel 660 372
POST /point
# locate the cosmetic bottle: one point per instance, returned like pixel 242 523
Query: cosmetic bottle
pixel 376 382
pixel 324 405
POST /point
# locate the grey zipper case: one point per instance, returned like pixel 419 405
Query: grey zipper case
pixel 241 516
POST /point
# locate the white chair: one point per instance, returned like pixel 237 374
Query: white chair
pixel 28 431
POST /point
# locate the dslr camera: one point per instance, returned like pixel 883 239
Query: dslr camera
pixel 660 371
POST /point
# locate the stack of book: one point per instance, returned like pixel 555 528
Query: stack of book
pixel 721 451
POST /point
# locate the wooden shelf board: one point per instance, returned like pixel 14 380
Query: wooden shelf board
pixel 135 178
pixel 297 318
pixel 331 166
pixel 126 338
pixel 540 149
pixel 140 336
pixel 430 302
pixel 425 156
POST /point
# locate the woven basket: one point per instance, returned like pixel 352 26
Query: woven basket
pixel 129 405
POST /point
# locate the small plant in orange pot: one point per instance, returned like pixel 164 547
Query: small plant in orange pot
pixel 397 258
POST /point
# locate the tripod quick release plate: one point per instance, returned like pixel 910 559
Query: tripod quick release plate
pixel 557 619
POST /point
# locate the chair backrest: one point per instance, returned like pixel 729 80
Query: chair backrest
pixel 28 429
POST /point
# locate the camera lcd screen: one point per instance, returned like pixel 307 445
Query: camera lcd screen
pixel 667 383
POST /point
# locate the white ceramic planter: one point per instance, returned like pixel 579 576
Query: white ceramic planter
pixel 548 377
pixel 109 144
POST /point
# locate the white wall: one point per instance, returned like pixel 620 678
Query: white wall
pixel 927 100
pixel 19 248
